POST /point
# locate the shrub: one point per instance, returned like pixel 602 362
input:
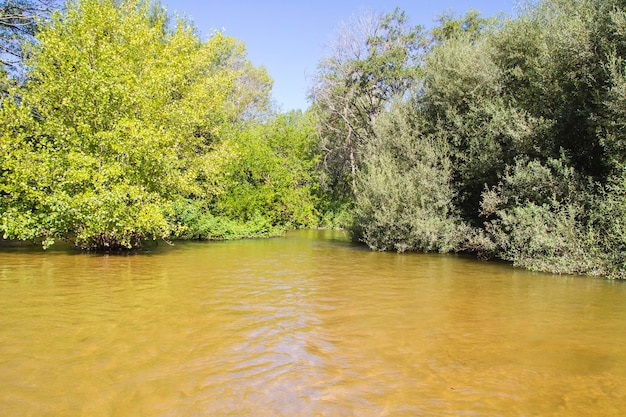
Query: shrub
pixel 192 220
pixel 538 218
pixel 404 199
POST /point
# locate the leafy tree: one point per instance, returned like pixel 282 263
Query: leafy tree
pixel 373 60
pixel 561 63
pixel 121 115
pixel 516 128
pixel 472 25
pixel 464 102
pixel 271 173
pixel 556 62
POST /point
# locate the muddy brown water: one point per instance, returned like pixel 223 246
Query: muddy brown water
pixel 305 325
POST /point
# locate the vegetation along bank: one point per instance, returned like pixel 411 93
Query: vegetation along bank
pixel 503 137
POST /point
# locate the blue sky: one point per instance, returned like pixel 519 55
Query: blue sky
pixel 289 37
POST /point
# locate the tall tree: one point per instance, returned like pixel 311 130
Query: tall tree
pixel 119 116
pixel 374 59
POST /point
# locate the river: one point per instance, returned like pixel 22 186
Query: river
pixel 305 325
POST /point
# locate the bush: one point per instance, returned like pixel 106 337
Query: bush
pixel 192 220
pixel 404 199
pixel 271 173
pixel 609 224
pixel 538 218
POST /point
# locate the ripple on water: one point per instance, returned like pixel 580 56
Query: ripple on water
pixel 303 326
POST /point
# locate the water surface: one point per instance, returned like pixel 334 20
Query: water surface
pixel 306 325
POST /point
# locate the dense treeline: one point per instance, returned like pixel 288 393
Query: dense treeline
pixel 502 137
pixel 508 141
pixel 128 127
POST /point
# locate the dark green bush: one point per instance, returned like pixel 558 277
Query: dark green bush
pixel 539 218
pixel 192 220
pixel 404 199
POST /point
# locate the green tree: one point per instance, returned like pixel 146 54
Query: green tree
pixel 271 173
pixel 557 64
pixel 405 197
pixel 122 114
pixel 464 102
pixel 560 205
pixel 373 60
pixel 472 25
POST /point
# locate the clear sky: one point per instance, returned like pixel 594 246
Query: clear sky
pixel 289 37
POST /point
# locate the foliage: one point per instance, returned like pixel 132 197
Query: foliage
pixel 405 192
pixel 192 220
pixel 539 218
pixel 19 21
pixel 122 114
pixel 372 61
pixel 504 137
pixel 472 26
pixel 271 174
pixel 514 126
pixel 561 63
pixel 465 103
pixel 609 224
pixel 556 61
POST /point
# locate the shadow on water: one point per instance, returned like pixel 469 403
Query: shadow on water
pixel 336 237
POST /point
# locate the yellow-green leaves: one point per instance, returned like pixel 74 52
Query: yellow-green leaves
pixel 270 174
pixel 123 112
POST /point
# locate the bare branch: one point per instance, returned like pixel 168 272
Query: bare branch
pixel 371 60
pixel 18 24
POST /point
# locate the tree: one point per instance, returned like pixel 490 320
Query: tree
pixel 122 113
pixel 464 102
pixel 559 206
pixel 557 61
pixel 471 26
pixel 374 59
pixel 405 198
pixel 271 173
